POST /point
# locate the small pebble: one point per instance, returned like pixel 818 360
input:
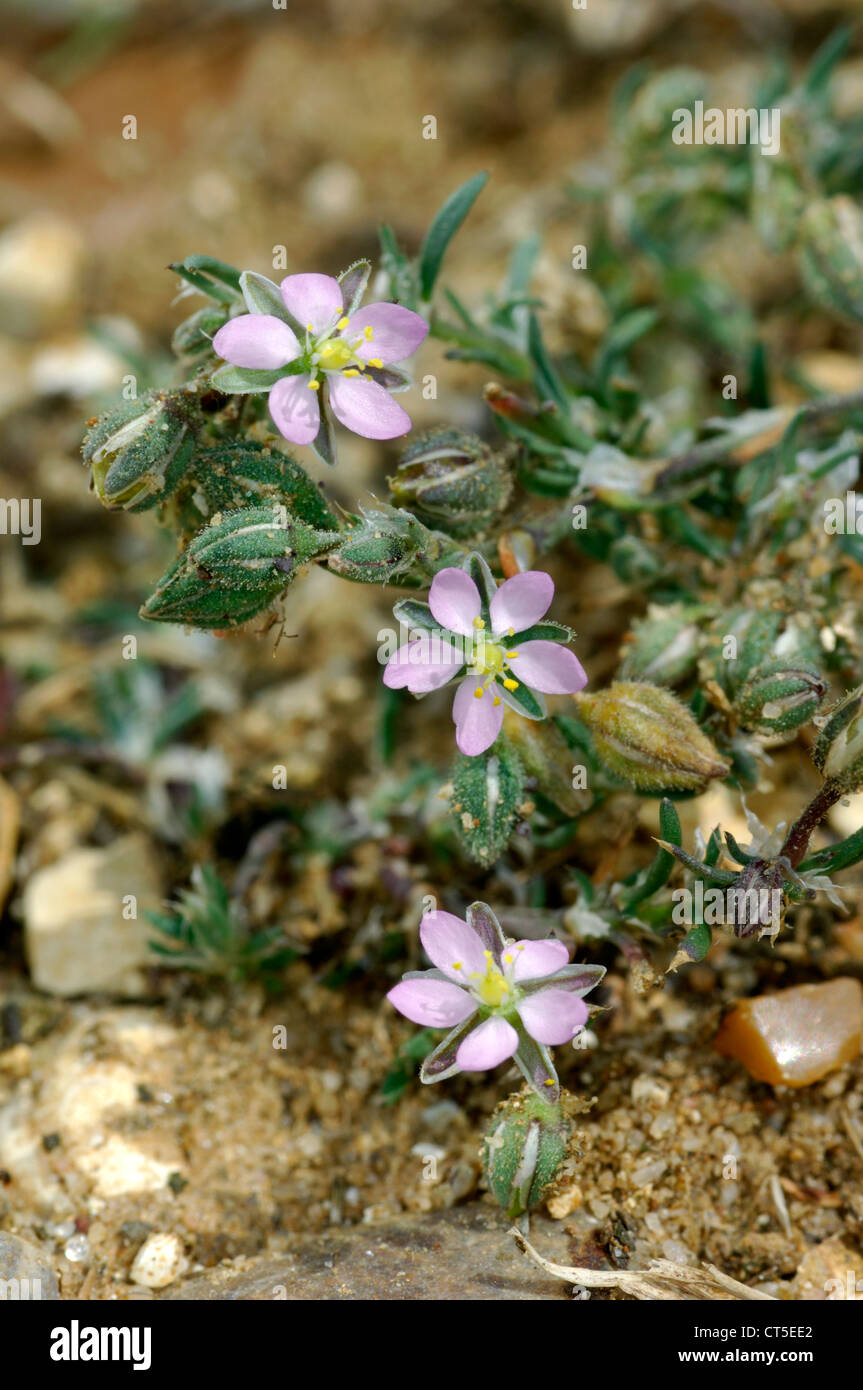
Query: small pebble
pixel 159 1261
pixel 798 1035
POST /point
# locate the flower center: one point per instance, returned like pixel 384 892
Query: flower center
pixel 489 658
pixel 334 353
pixel 492 987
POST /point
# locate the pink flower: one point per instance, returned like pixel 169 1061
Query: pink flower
pixel 348 354
pixel 511 656
pixel 500 998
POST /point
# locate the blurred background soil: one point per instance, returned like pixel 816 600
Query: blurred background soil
pixel 142 1101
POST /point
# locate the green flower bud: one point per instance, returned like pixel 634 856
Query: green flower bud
pixel 234 568
pixel 650 117
pixel 838 751
pixel 487 793
pixel 235 474
pixel 831 254
pixel 139 453
pixel 777 697
pixel 779 183
pixel 523 1150
pixel 547 757
pixel 451 479
pixel 663 647
pixel 384 543
pixel 193 338
pixel 633 561
pixel 645 736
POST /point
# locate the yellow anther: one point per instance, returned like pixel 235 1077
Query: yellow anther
pixel 478 623
pixel 314 385
pixel 310 327
pixel 479 692
pixel 456 965
pixel 497 699
pixel 350 371
pixel 510 632
pixel 508 958
pixel 488 955
pixel 548 1081
pixel 510 656
pixel 376 362
pixel 510 685
pixel 342 323
pixel 368 333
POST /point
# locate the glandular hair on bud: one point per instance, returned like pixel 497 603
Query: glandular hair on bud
pixel 523 1150
pixel 644 735
pixel 838 750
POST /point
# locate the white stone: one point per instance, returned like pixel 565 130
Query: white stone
pixel 75 934
pixel 159 1261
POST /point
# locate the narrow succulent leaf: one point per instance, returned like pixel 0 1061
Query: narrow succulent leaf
pixel 444 228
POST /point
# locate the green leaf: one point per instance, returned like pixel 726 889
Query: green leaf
pixel 444 228
pixel 658 872
pixel 549 384
pixel 622 336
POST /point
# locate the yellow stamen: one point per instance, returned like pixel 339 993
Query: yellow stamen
pixel 375 362
pixel 342 323
pixel 510 632
pixel 457 965
pixel 497 699
pixel 310 328
pixel 510 656
pixel 479 692
pixel 510 685
pixel 548 1082
pixel 508 959
pixel 478 622
pixel 368 334
pixel 350 371
pixel 314 386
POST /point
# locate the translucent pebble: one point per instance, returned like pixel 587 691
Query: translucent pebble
pixel 798 1035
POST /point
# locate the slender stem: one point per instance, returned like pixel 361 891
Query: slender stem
pixel 797 839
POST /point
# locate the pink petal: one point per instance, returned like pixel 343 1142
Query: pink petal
pixel 433 1003
pixel 256 340
pixel 535 959
pixel 549 667
pixel 446 940
pixel 426 663
pixel 521 601
pixel 553 1016
pixel 314 300
pixel 396 332
pixel 454 601
pixel 484 1047
pixel 366 408
pixel 295 409
pixel 477 721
